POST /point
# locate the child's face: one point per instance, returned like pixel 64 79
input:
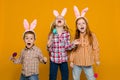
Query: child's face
pixel 29 40
pixel 59 21
pixel 81 25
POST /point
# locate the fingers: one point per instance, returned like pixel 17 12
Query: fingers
pixel 98 63
pixel 77 41
pixel 12 58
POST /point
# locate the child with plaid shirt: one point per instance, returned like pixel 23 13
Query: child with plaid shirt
pixel 31 55
pixel 58 44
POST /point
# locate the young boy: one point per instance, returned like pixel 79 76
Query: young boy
pixel 30 55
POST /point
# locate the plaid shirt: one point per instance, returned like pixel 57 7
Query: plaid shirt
pixel 59 47
pixel 30 59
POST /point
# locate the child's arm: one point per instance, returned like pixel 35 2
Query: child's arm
pixel 17 61
pixel 71 59
pixel 68 45
pixel 96 50
pixel 49 43
pixel 41 58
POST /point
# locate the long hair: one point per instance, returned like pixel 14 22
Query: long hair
pixel 53 25
pixel 88 32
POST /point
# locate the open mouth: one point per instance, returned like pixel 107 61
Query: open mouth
pixel 29 44
pixel 82 28
pixel 59 21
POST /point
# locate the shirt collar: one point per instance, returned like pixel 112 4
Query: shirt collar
pixel 33 47
pixel 64 31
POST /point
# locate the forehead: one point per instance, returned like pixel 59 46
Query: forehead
pixel 81 20
pixel 29 35
pixel 59 17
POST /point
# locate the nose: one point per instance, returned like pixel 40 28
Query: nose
pixel 28 40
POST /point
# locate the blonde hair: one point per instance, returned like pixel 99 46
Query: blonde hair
pixel 53 25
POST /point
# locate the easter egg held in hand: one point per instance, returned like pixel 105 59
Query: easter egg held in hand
pixel 14 54
pixel 54 31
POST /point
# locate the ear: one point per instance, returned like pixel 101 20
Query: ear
pixel 26 24
pixel 33 25
pixel 55 12
pixel 76 11
pixel 64 12
pixel 84 12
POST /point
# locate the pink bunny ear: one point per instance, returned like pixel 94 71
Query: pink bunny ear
pixel 83 12
pixel 26 24
pixel 55 12
pixel 76 11
pixel 33 25
pixel 64 12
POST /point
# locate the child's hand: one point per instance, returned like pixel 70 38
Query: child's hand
pixel 97 63
pixel 12 58
pixel 44 60
pixel 71 64
pixel 76 42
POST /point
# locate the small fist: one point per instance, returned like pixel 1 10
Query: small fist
pixel 12 58
pixel 44 60
pixel 71 64
pixel 98 63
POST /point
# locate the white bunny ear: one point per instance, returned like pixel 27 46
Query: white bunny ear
pixel 26 24
pixel 55 12
pixel 84 11
pixel 76 11
pixel 64 12
pixel 33 25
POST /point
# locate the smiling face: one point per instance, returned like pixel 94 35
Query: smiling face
pixel 29 39
pixel 81 25
pixel 59 21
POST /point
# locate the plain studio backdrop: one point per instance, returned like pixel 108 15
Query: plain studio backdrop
pixel 103 18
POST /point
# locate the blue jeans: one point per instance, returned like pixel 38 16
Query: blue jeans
pixel 33 77
pixel 87 69
pixel 54 69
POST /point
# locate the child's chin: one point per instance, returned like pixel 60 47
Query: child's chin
pixel 82 31
pixel 29 46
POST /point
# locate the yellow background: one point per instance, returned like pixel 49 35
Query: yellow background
pixel 103 17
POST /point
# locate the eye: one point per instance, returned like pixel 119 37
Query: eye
pixel 26 38
pixel 31 38
pixel 78 23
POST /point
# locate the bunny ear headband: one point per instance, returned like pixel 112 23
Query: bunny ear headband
pixel 78 14
pixel 31 26
pixel 55 12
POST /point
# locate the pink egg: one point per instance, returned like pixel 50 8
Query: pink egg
pixel 14 54
pixel 95 75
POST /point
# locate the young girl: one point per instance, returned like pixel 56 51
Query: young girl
pixel 87 51
pixel 58 44
pixel 31 55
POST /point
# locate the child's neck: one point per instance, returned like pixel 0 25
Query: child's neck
pixel 82 34
pixel 59 30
